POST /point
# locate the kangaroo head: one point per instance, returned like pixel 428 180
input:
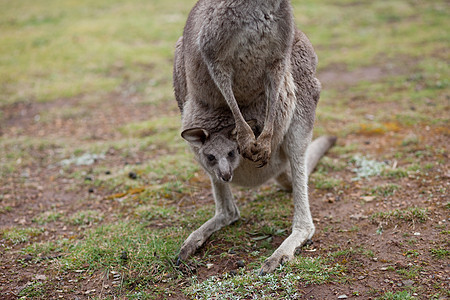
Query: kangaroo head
pixel 218 152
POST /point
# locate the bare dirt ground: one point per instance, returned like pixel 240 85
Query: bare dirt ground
pixel 375 264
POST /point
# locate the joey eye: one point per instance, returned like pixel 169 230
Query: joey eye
pixel 231 153
pixel 211 157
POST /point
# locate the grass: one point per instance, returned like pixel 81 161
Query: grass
pixel 440 253
pixel 19 235
pixel 283 284
pixel 413 214
pixel 403 295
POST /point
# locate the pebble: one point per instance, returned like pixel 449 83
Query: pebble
pixel 343 297
pixel 240 264
pixel 28 257
pixel 209 266
pixel 108 172
pixel 233 272
pixel 132 175
pixel 91 190
pixel 124 255
pixel 408 282
pixel 88 178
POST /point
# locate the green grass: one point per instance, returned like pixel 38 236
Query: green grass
pixel 413 214
pixel 85 217
pixel 47 217
pixel 18 235
pixel 282 284
pixel 403 295
pixel 385 190
pixel 440 253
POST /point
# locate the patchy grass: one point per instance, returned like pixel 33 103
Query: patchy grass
pixel 410 215
pixel 47 217
pixel 85 217
pixel 403 295
pixel 282 284
pixel 440 253
pixel 18 235
pixel 385 190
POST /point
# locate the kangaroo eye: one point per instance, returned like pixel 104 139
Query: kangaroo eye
pixel 231 154
pixel 211 157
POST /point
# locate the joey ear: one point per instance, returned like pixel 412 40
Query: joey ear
pixel 195 136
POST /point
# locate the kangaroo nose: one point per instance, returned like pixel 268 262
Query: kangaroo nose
pixel 225 176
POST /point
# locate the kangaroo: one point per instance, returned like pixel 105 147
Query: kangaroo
pixel 234 52
pixel 244 60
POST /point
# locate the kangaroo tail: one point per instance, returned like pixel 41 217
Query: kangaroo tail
pixel 316 150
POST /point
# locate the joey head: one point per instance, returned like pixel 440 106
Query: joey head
pixel 217 153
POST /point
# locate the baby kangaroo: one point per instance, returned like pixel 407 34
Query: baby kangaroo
pixel 244 60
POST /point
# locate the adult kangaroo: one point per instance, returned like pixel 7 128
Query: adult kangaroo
pixel 241 60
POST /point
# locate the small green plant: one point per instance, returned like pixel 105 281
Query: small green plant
pixel 365 168
pixel 5 209
pixel 324 182
pixel 412 214
pixel 47 217
pixel 395 173
pixel 385 190
pixel 33 289
pixel 412 253
pixel 403 295
pixel 440 253
pixel 85 217
pixel 411 272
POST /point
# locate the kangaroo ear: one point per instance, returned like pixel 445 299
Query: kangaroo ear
pixel 195 136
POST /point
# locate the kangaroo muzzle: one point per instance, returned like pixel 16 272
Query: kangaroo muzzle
pixel 225 172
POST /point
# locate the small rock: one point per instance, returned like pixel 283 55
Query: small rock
pixel 27 257
pixel 124 255
pixel 416 233
pixel 209 266
pixel 240 264
pixel 309 242
pixel 88 178
pixel 91 190
pixel 343 297
pixel 231 251
pixel 233 272
pixel 368 198
pixel 40 277
pixel 408 282
pixel 361 277
pixel 108 172
pixel 132 175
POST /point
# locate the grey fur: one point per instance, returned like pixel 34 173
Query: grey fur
pixel 244 60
